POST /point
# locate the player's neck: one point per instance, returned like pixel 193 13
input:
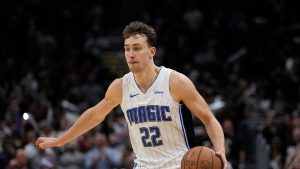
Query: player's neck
pixel 145 78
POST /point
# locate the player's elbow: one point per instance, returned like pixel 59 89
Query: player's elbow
pixel 208 119
pixel 98 119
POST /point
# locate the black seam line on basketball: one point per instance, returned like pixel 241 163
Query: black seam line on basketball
pixel 199 157
pixel 212 160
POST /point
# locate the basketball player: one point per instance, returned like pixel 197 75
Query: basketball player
pixel 150 97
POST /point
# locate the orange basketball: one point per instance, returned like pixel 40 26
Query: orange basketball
pixel 201 157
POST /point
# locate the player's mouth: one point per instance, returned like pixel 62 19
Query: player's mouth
pixel 133 62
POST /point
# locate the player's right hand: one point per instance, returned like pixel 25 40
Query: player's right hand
pixel 47 142
pixel 222 155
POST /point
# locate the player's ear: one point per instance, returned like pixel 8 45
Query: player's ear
pixel 152 52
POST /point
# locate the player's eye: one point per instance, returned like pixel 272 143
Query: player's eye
pixel 136 49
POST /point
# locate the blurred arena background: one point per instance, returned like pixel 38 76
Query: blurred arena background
pixel 58 57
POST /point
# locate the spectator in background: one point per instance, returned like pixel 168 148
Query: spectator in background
pixel 234 149
pixel 128 156
pixel 102 156
pixel 31 150
pixel 273 132
pixel 47 129
pixel 9 148
pixel 293 151
pixel 47 163
pixel 276 154
pixel 71 158
pixel 20 161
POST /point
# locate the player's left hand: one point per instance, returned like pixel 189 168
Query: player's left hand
pixel 47 142
pixel 221 154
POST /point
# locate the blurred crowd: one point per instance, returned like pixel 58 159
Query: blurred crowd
pixel 58 57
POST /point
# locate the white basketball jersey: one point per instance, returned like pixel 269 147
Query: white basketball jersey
pixel 155 123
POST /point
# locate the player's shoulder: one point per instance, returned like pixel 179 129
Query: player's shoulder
pixel 180 81
pixel 180 86
pixel 116 85
pixel 117 82
pixel 178 78
pixel 114 90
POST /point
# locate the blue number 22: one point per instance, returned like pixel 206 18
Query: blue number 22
pixel 153 140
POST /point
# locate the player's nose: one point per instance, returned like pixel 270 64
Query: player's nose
pixel 131 54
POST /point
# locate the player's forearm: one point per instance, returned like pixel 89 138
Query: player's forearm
pixel 215 133
pixel 85 122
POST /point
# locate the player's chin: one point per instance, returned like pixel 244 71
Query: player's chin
pixel 134 68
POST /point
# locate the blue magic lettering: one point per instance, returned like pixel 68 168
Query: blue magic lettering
pixel 149 113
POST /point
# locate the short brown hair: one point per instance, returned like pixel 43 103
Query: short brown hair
pixel 137 27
